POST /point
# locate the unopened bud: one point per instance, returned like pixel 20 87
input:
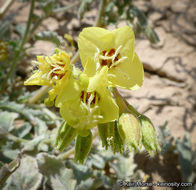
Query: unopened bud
pixel 82 147
pixel 149 139
pixel 65 136
pixel 130 130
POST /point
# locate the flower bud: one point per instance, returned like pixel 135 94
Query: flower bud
pixel 82 147
pixel 110 137
pixel 65 136
pixel 48 102
pixel 130 130
pixel 149 139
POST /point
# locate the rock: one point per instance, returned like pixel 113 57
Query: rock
pixel 51 24
pixel 42 48
pixel 179 6
pixel 161 5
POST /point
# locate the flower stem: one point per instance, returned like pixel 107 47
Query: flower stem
pixel 21 45
pixel 121 102
pixel 98 21
pixel 41 92
pixel 124 106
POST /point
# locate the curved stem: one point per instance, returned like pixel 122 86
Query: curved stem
pixel 124 106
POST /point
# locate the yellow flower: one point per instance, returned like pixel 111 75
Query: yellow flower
pixel 53 71
pixel 86 102
pixel 99 47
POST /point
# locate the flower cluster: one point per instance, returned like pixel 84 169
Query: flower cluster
pixel 85 97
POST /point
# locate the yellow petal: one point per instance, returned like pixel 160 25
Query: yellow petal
pixel 129 75
pixel 38 78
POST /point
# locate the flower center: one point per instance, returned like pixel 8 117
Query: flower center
pixel 90 98
pixel 58 69
pixel 110 58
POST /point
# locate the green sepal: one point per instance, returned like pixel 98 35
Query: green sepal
pixel 82 147
pixel 130 131
pixel 110 137
pixel 106 132
pixel 65 136
pixel 149 139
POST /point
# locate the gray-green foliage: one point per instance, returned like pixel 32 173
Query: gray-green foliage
pixel 55 172
pixel 183 148
pixel 40 167
pixel 187 158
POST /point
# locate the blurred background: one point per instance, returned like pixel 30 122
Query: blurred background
pixel 165 42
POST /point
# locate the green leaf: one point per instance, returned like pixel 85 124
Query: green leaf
pixel 184 149
pixel 87 184
pixel 98 161
pixel 124 168
pixel 5 27
pixel 7 119
pixel 142 24
pixel 40 127
pixel 18 108
pixel 31 145
pixel 47 6
pixel 81 172
pixel 58 176
pixel 20 29
pixel 27 176
pixel 151 34
pixel 23 130
pixel 49 36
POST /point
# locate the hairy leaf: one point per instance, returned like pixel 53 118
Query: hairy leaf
pixel 58 176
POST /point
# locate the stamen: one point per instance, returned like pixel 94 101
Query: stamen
pixel 120 60
pixel 48 76
pixel 90 99
pixel 109 58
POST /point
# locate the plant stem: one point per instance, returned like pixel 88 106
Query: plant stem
pixel 39 93
pixel 71 151
pixel 5 7
pixel 98 21
pixel 124 106
pixel 121 102
pixel 18 54
pixel 66 8
pixel 9 136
